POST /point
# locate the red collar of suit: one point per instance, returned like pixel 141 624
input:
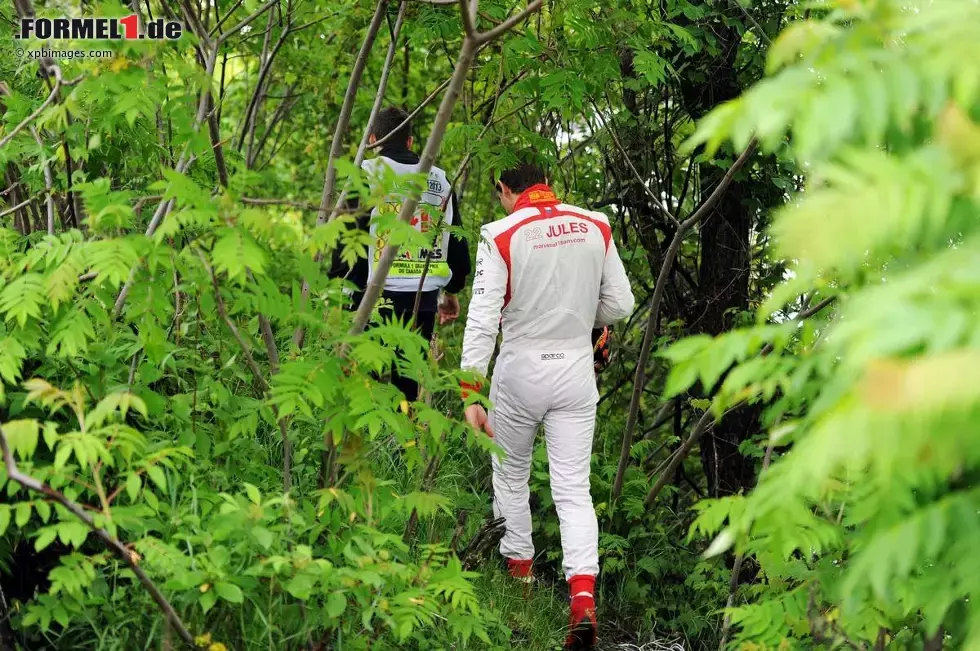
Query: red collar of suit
pixel 536 195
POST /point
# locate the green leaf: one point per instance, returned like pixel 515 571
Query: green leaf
pixel 4 518
pixel 23 514
pixel 133 485
pixel 336 604
pixel 45 537
pixel 157 475
pixel 229 592
pixel 253 493
pixel 207 600
pixel 22 299
pixel 263 536
pixel 235 251
pixel 301 585
pixel 651 66
pixel 22 435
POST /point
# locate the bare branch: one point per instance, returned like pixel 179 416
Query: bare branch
pixel 639 379
pixel 255 14
pixel 726 180
pixel 17 207
pixel 113 543
pixel 214 30
pixel 304 205
pixel 337 146
pixel 252 110
pixel 510 23
pixel 47 102
pixel 629 162
pixel 48 181
pixel 466 11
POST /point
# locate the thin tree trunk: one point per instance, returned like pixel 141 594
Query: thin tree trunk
pixel 639 380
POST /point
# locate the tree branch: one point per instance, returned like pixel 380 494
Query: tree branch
pixel 336 147
pixel 255 14
pixel 629 162
pixel 113 543
pixel 466 12
pixel 18 206
pixel 182 164
pixel 58 83
pixel 653 321
pixel 223 312
pixel 510 23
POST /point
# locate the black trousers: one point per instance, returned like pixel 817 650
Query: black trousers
pixel 425 323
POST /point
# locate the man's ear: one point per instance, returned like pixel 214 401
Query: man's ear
pixel 372 139
pixel 410 142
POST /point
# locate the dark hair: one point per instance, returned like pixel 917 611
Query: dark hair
pixel 387 121
pixel 522 176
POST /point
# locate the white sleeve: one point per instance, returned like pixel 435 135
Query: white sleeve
pixel 483 317
pixel 615 294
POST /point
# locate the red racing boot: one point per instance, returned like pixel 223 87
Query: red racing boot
pixel 582 624
pixel 520 569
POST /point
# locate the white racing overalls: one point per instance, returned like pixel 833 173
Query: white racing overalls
pixel 547 274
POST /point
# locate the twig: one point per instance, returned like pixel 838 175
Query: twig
pixel 510 23
pixel 223 311
pixel 656 200
pixel 305 205
pixel 251 112
pixel 337 145
pixel 18 206
pixel 113 543
pixel 653 321
pixel 48 181
pixel 805 314
pixel 214 30
pixel 58 83
pixel 255 14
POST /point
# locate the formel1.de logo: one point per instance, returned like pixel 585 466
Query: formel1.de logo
pixel 98 29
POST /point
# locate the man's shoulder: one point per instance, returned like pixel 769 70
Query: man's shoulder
pixel 584 212
pixel 510 222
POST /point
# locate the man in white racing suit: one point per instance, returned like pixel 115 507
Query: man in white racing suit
pixel 547 274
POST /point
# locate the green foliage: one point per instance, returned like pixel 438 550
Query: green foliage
pixel 863 524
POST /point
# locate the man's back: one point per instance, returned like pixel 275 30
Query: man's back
pixel 549 272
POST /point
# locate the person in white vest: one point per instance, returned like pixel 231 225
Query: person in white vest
pixel 549 276
pixel 449 258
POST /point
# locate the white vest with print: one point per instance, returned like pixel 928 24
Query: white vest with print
pixel 406 271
